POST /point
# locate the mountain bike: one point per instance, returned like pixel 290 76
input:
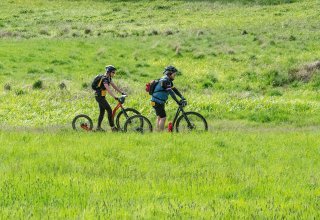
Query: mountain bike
pixel 83 122
pixel 188 121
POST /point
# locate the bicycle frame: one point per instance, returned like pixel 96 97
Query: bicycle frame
pixel 179 110
pixel 119 105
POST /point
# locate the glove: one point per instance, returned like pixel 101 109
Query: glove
pixel 183 102
pixel 123 93
pixel 116 98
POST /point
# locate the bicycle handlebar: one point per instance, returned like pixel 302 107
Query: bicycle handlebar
pixel 122 99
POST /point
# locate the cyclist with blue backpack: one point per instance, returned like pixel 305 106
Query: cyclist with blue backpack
pixel 101 85
pixel 160 93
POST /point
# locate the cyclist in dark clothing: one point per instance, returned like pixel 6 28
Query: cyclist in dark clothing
pixel 161 93
pixel 100 95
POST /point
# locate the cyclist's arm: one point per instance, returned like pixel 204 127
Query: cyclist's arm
pixel 176 91
pixel 116 87
pixel 109 90
pixel 173 95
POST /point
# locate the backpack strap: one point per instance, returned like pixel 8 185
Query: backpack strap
pixel 99 84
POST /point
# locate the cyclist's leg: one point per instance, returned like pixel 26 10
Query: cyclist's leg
pixel 109 111
pixel 99 99
pixel 161 113
pixel 162 122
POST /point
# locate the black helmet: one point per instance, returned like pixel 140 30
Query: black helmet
pixel 110 68
pixel 169 70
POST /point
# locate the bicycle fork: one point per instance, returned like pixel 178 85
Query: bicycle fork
pixel 180 110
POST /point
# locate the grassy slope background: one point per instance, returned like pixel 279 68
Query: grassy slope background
pixel 235 59
pixel 225 73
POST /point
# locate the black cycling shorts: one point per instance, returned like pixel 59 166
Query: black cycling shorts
pixel 160 111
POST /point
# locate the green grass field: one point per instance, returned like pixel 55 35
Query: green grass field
pixel 229 174
pixel 245 65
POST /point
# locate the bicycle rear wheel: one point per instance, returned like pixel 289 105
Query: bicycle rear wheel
pixel 137 124
pixel 82 123
pixel 191 122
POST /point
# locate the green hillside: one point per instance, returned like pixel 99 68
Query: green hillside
pixel 236 60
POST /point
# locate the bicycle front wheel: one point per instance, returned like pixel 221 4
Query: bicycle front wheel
pixel 191 122
pixel 137 124
pixel 82 123
pixel 124 115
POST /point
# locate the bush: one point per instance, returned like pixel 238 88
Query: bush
pixel 20 92
pixel 7 87
pixel 33 71
pixel 49 70
pixel 87 31
pixel 62 86
pixel 85 85
pixel 274 93
pixel 37 84
pixel 199 55
pixel 276 79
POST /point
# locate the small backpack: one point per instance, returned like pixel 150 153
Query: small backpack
pixel 150 86
pixel 96 83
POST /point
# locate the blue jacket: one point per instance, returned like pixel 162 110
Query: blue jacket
pixel 161 91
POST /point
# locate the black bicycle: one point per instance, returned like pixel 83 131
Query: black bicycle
pixel 188 121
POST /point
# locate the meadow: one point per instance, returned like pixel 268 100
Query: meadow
pixel 229 174
pixel 250 67
pixel 237 61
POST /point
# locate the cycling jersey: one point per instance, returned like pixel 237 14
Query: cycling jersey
pixel 102 91
pixel 161 91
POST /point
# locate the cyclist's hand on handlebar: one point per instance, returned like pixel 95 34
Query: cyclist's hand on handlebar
pixel 183 102
pixel 123 93
pixel 116 98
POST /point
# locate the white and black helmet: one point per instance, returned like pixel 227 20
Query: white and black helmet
pixel 110 68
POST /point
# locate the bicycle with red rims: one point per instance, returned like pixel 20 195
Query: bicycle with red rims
pixel 83 122
pixel 187 121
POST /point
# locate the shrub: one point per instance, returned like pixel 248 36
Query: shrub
pixel 274 93
pixel 44 32
pixel 168 32
pixel 7 87
pixel 292 38
pixel 121 72
pixel 37 84
pixel 199 55
pixel 20 92
pixel 87 30
pixel 85 85
pixel 275 79
pixel 33 70
pixel 207 84
pixel 49 70
pixel 153 32
pixel 62 86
